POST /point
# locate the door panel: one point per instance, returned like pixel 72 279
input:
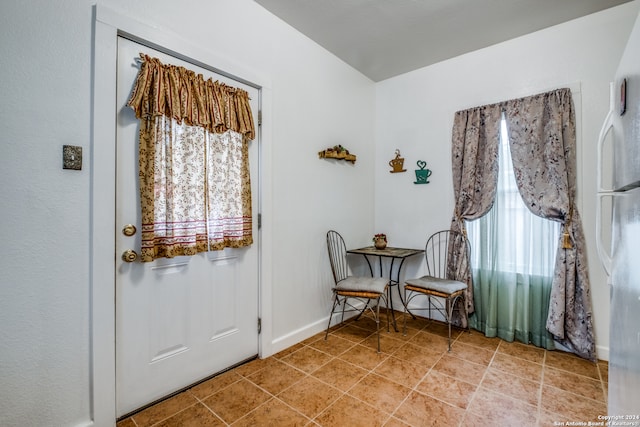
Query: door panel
pixel 626 127
pixel 624 363
pixel 220 314
pixel 183 319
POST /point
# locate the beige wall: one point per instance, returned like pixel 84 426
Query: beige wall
pixel 414 112
pixel 316 101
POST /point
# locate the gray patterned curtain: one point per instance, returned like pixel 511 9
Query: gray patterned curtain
pixel 476 133
pixel 542 140
pixel 542 137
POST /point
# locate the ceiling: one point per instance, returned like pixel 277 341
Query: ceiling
pixel 385 38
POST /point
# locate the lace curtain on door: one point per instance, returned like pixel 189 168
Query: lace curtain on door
pixel 195 188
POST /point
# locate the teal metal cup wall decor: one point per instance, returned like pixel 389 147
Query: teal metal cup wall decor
pixel 422 174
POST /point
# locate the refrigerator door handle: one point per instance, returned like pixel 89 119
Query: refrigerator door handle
pixel 603 255
pixel 604 131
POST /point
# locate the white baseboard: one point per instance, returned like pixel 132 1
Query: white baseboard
pixel 297 336
pixel 307 331
pixel 602 352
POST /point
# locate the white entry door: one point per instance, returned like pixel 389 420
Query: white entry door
pixel 183 319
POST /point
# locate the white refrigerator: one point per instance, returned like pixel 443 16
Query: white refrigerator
pixel 620 136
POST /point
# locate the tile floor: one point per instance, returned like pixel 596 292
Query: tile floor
pixel 414 381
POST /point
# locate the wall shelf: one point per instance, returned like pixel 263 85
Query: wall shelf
pixel 338 152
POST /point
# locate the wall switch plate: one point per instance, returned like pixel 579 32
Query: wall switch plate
pixel 71 157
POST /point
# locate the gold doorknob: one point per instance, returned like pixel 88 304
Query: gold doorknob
pixel 129 230
pixel 129 255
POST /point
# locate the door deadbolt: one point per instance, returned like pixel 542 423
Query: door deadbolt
pixel 129 230
pixel 129 255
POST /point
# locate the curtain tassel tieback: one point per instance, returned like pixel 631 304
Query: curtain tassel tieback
pixel 566 236
pixel 460 219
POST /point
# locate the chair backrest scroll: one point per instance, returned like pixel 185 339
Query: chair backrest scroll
pixel 337 255
pixel 448 255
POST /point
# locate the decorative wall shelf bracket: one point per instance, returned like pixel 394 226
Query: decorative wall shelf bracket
pixel 337 152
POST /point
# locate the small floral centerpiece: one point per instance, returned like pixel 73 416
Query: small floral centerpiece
pixel 380 241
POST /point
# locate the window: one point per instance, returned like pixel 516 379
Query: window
pixel 518 241
pixel 512 257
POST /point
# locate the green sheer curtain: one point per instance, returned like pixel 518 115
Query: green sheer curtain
pixel 513 259
pixel 542 140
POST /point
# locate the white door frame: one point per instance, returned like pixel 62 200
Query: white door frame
pixel 108 25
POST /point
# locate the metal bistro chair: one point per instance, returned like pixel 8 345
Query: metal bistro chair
pixel 447 254
pixel 362 288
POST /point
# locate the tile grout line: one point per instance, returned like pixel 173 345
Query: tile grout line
pixel 414 388
pixel 370 372
pixel 173 414
pixel 333 357
pixel 392 414
pixel 502 348
pixel 214 413
pixel 275 396
pixel 272 396
pixel 544 369
pixel 604 391
pixel 467 410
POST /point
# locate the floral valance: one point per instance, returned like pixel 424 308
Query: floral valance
pixel 183 95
